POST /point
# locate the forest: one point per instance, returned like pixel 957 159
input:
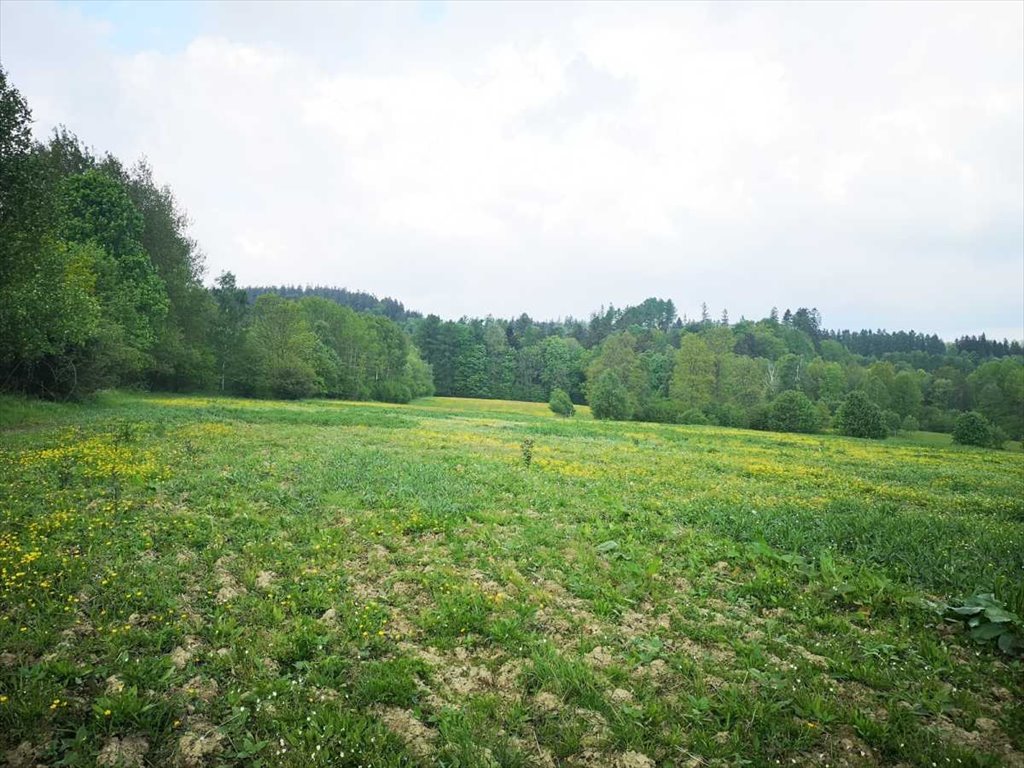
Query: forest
pixel 101 286
pixel 782 373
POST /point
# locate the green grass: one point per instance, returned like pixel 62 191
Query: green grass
pixel 204 581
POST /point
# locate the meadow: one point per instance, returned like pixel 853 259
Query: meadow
pixel 194 581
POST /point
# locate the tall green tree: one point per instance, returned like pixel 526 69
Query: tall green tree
pixel 609 397
pixel 618 355
pixel 693 380
pixel 280 350
pixel 94 209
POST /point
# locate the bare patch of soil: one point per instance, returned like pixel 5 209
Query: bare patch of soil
pixel 128 752
pixel 417 737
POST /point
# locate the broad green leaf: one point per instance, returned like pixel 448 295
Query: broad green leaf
pixel 1009 642
pixel 968 610
pixel 999 615
pixel 988 631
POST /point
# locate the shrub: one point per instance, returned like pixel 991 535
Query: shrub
pixel 972 428
pixel 609 398
pixel 728 415
pixel 693 416
pixel 892 421
pixel 910 424
pixel 793 411
pixel 391 391
pixel 660 410
pixel 526 451
pixel 859 417
pixel 291 382
pixel 560 403
pixel 760 417
pixel 990 620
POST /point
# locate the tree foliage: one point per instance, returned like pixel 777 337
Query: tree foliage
pixel 972 428
pixel 609 398
pixel 793 411
pixel 101 285
pixel 858 416
pixel 560 403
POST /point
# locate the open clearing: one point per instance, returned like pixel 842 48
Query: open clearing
pixel 199 581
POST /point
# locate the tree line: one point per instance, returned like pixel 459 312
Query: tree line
pixel 101 286
pixel 781 372
pixel 357 300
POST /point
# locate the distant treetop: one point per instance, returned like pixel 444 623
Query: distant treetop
pixel 357 300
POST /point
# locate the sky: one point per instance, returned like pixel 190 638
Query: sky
pixel 488 158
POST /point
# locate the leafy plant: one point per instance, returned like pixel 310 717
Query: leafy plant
pixel 526 450
pixel 647 649
pixel 858 416
pixel 972 428
pixel 988 620
pixel 561 403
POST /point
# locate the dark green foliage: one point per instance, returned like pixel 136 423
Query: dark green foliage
pixel 972 428
pixel 356 300
pixel 661 410
pixel 280 351
pixel 359 356
pixel 182 356
pixel 793 411
pixel 621 383
pixel 990 621
pixel 997 390
pixel 95 209
pixel 228 330
pixel 693 416
pixel 858 416
pixel 560 403
pixel 892 421
pixel 526 451
pixel 609 398
pixel 101 286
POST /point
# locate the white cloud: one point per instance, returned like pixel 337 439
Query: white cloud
pixel 866 159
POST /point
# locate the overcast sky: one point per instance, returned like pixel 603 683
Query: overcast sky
pixel 480 158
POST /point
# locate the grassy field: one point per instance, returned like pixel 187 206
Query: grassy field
pixel 188 581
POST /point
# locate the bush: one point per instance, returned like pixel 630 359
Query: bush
pixel 793 411
pixel 560 403
pixel 391 391
pixel 291 382
pixel 609 398
pixel 760 417
pixel 526 451
pixel 972 428
pixel 859 417
pixel 660 410
pixel 892 421
pixel 999 437
pixel 728 415
pixel 693 416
